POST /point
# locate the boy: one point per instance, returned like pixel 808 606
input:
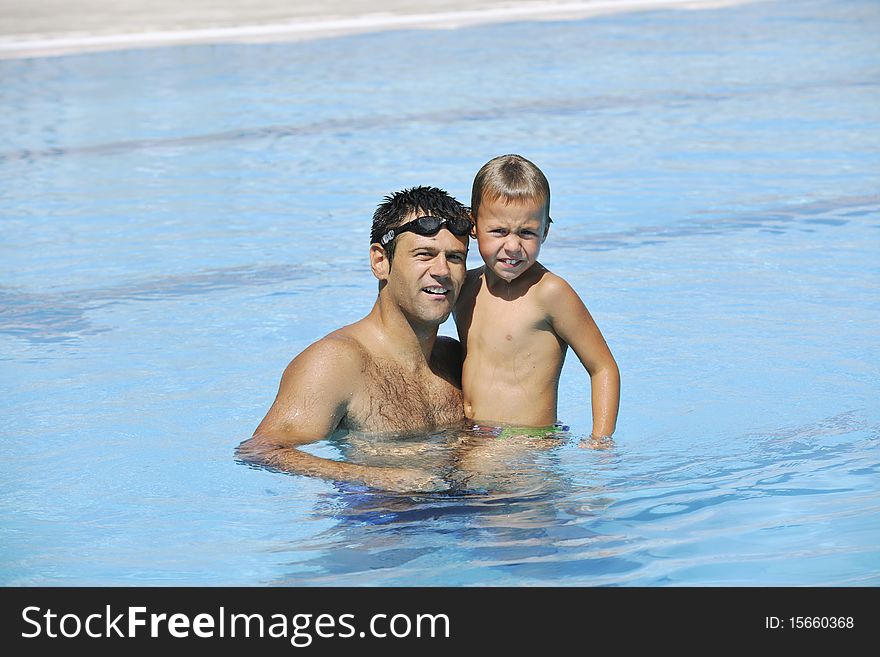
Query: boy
pixel 516 319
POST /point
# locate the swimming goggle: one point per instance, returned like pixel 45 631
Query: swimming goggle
pixel 428 226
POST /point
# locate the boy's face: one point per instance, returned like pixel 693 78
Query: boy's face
pixel 509 236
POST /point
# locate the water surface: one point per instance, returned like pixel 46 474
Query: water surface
pixel 177 224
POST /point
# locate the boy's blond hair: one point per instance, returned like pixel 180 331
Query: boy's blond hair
pixel 512 178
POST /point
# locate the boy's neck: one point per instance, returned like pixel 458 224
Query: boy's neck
pixel 500 287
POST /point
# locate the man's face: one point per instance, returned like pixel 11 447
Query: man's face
pixel 427 274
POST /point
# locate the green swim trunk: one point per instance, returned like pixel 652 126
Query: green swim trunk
pixel 532 432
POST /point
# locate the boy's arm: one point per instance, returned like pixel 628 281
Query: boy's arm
pixel 572 322
pixel 311 402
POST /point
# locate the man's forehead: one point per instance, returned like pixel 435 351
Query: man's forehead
pixel 441 240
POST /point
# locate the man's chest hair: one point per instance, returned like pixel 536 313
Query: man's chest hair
pixel 393 399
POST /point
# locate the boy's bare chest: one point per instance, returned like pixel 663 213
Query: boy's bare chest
pixel 392 399
pixel 500 325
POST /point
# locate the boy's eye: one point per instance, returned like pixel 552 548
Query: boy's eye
pixel 498 231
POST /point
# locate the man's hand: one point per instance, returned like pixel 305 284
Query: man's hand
pixel 405 480
pixel 267 453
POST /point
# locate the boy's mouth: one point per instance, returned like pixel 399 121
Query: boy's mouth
pixel 436 291
pixel 510 262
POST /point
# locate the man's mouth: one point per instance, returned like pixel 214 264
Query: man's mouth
pixel 436 291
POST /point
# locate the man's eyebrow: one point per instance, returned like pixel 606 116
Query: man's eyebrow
pixel 433 249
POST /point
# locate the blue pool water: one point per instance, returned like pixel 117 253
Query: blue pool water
pixel 177 224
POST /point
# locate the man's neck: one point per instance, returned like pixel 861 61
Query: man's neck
pixel 404 340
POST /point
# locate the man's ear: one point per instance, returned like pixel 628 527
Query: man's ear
pixel 379 262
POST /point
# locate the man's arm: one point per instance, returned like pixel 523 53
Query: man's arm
pixel 572 322
pixel 311 402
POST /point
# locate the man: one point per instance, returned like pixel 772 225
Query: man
pixel 389 371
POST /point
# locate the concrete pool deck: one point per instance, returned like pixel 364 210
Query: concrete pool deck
pixel 42 28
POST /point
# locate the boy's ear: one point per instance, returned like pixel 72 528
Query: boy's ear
pixel 379 263
pixel 473 217
pixel 546 228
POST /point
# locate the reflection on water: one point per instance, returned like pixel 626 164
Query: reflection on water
pixel 471 458
pixel 508 508
pixel 660 517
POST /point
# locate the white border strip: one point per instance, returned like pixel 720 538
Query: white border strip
pixel 13 47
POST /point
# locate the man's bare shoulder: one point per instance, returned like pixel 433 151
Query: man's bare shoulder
pixel 338 355
pixel 315 390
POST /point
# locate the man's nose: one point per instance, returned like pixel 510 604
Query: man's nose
pixel 440 267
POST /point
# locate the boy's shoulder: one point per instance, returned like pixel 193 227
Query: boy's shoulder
pixel 552 288
pixel 542 286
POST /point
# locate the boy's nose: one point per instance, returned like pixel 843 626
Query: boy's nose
pixel 512 245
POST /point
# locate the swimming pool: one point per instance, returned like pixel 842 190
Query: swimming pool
pixel 178 223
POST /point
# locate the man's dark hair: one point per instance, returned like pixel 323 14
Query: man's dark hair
pixel 409 204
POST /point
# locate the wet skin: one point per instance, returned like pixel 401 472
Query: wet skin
pixel 386 372
pixel 516 321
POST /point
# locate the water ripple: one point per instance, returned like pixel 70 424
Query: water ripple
pixel 545 107
pixel 777 218
pixel 62 316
